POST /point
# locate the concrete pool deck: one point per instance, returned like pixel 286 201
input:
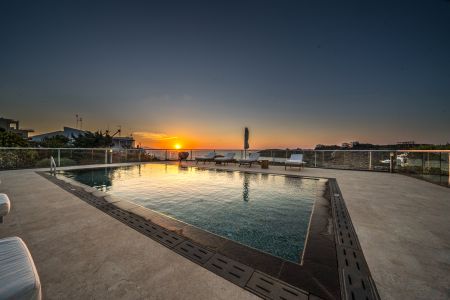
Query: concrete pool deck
pixel 402 223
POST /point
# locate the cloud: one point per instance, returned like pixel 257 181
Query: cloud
pixel 154 136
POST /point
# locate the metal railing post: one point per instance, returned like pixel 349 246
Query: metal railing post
pixel 59 157
pixel 315 159
pixel 423 163
pixel 111 157
pixel 192 158
pixel 106 156
pixel 370 160
pixel 126 155
pixel 448 169
pixel 323 158
pixel 52 166
pixel 165 158
pixel 391 162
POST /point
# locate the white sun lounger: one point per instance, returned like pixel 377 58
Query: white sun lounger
pixel 5 206
pixel 18 276
pixel 252 158
pixel 229 157
pixel 208 157
pixel 296 160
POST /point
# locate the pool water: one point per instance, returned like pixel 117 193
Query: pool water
pixel 268 212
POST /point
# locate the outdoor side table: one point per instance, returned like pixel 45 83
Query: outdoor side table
pixel 264 164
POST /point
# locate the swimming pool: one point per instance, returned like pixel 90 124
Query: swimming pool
pixel 267 212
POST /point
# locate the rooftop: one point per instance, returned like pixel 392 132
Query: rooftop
pixel 402 225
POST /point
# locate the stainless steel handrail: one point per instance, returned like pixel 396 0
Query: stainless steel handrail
pixel 52 165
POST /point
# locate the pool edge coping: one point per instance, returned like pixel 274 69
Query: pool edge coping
pixel 310 268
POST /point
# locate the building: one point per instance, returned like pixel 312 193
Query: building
pixel 123 142
pixel 68 132
pixel 10 125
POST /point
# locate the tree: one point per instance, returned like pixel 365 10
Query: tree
pixel 93 140
pixel 11 139
pixel 57 141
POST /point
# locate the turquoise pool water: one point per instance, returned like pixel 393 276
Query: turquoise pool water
pixel 268 212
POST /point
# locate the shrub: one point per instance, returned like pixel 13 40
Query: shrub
pixel 43 163
pixel 17 158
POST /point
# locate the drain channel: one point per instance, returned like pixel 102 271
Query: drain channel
pixel 354 274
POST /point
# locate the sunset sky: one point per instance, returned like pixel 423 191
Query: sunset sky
pixel 297 73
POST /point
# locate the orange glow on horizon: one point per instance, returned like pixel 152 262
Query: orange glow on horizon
pixel 186 138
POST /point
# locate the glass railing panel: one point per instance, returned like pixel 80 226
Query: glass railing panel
pixel 132 155
pixel 76 156
pixel 310 158
pixel 429 166
pixel 279 156
pixel 380 160
pixel 238 154
pixel 199 153
pixel 154 154
pixel 409 162
pixel 445 166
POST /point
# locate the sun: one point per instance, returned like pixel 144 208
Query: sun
pixel 177 146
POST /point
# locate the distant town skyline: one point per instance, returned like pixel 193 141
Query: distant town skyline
pixel 297 73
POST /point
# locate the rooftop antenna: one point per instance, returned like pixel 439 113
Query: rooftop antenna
pixel 81 123
pixel 76 116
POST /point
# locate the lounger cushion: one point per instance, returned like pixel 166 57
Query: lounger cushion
pixel 18 276
pixel 228 156
pixel 298 162
pixel 5 205
pixel 223 159
pixel 295 159
pixel 247 160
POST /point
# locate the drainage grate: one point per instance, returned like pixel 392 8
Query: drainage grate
pixel 167 238
pixel 194 252
pixel 345 233
pixel 355 279
pixel 268 287
pixel 229 269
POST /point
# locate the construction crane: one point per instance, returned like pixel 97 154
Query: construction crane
pixel 119 131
